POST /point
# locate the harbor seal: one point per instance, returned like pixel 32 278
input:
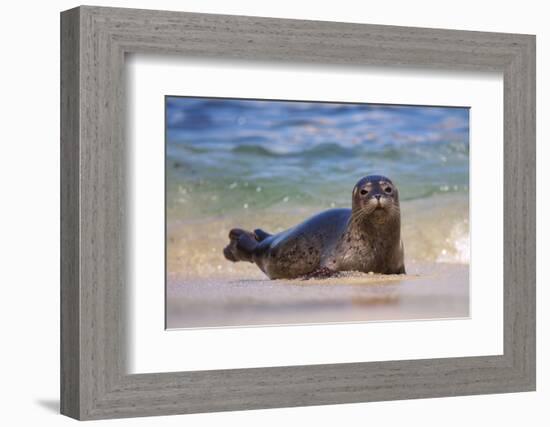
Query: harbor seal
pixel 365 238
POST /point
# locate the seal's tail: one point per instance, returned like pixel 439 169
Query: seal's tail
pixel 241 245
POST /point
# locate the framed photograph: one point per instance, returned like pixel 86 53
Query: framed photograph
pixel 263 213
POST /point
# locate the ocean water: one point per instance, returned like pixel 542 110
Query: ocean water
pixel 269 164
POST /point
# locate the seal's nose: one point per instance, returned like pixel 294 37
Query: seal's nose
pixel 377 196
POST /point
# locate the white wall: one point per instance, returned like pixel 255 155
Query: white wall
pixel 29 173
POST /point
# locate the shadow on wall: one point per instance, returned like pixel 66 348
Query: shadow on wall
pixel 51 405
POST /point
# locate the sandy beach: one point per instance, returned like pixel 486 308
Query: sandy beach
pixel 205 290
pixel 428 291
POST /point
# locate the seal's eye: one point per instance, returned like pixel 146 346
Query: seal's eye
pixel 387 190
pixel 363 192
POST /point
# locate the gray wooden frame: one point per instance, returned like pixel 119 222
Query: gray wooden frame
pixel 94 41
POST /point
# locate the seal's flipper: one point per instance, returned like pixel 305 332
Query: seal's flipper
pixel 261 234
pixel 241 246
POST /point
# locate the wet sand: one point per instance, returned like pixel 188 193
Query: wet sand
pixel 428 291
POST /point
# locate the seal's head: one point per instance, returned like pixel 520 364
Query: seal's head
pixel 376 198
